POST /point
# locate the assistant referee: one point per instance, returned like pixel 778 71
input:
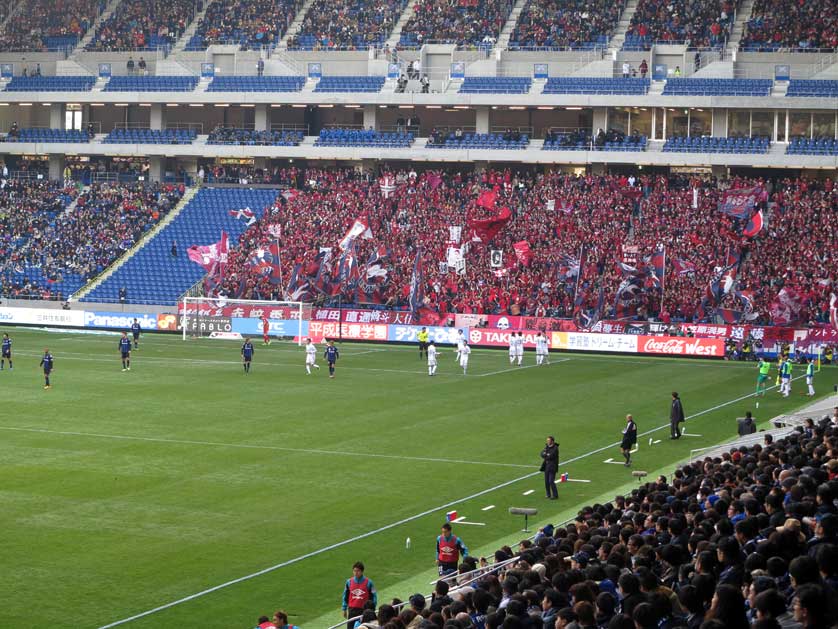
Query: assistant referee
pixel 423 342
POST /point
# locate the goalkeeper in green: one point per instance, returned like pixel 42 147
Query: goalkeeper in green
pixel 764 368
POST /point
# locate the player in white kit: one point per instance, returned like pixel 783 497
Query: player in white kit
pixel 513 343
pixel 542 356
pixel 432 354
pixel 519 348
pixel 461 339
pixel 464 353
pixel 311 356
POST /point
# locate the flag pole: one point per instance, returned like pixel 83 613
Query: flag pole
pixel 663 284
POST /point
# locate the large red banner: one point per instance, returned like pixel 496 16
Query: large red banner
pixel 681 346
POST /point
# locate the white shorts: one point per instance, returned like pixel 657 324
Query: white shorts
pixel 511 352
pixel 432 363
pixel 519 352
pixel 310 360
pixel 809 379
pixel 463 361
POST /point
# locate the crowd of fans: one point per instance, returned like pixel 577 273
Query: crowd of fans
pixel 33 25
pixel 604 212
pixel 39 235
pixel 745 539
pixel 701 24
pixel 555 24
pixel 348 24
pixel 786 24
pixel 461 22
pixel 252 24
pixel 143 25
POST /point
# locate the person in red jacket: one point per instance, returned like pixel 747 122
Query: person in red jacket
pixel 266 328
pixel 357 591
pixel 449 547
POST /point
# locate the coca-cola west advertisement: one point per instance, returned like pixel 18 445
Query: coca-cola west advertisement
pixel 681 346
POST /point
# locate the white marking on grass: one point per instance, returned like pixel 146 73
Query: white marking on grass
pixel 528 492
pixel 656 441
pixel 613 462
pixel 472 523
pixel 458 520
pixel 577 480
pixel 690 434
pixel 248 446
pixel 489 508
pixel 392 525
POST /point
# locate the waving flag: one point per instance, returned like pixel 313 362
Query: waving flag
pixel 323 279
pixel 568 268
pixel 487 199
pixel 486 229
pixel 360 228
pixel 754 225
pixel 683 267
pixel 246 214
pixel 434 180
pixel 299 288
pixel 290 194
pixel 833 310
pixel 740 202
pixel 387 184
pixel 375 278
pixel 787 306
pixel 654 267
pixel 211 257
pixel 348 273
pixel 416 298
pixel 523 252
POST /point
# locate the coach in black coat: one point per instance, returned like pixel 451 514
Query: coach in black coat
pixel 676 417
pixel 550 465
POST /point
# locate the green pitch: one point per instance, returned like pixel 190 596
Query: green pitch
pixel 123 492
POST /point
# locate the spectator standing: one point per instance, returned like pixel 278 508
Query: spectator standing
pixel 260 67
pixel 629 439
pixel 676 417
pixel 141 65
pixel 123 295
pixel 550 465
pixel 449 547
pixel 747 426
pixel 677 71
pixel 174 248
pixel 130 65
pixel 644 69
pixel 626 69
pixel 357 591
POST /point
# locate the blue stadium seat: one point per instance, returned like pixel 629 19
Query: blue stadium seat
pixel 150 136
pixel 717 87
pixel 71 136
pixel 496 85
pixel 256 84
pixel 817 146
pixel 363 137
pixel 707 144
pixel 813 88
pixel 51 84
pixel 350 84
pixel 153 276
pixel 595 85
pixel 250 137
pixel 152 84
pixel 481 141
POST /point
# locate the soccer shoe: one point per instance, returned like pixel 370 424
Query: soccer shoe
pixel 47 386
pixel 124 370
pixel 129 369
pixel 331 376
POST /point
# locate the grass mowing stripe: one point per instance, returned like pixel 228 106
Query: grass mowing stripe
pixel 71 433
pixel 392 525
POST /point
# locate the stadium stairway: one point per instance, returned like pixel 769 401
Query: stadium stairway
pixel 743 14
pixel 395 36
pixel 96 282
pixel 619 35
pixel 152 275
pixel 295 27
pixel 509 25
pixel 88 36
pixel 180 44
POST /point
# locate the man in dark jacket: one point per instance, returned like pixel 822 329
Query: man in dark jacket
pixel 629 439
pixel 676 417
pixel 550 465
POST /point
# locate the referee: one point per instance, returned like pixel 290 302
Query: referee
pixel 423 342
pixel 629 439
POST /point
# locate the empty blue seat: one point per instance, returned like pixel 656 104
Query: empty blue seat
pixel 51 84
pixel 813 88
pixel 595 85
pixel 152 84
pixel 256 84
pixel 72 136
pixel 480 141
pixel 496 85
pixel 363 137
pixel 150 136
pixel 350 84
pixel 708 144
pixel 814 146
pixel 717 87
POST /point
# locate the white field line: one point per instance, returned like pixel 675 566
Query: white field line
pixel 528 492
pixel 392 525
pixel 217 444
pixel 489 508
pixel 494 373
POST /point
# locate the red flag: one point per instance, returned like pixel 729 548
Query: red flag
pixel 487 229
pixel 754 225
pixel 487 199
pixel 523 252
pixel 210 256
pixel 833 310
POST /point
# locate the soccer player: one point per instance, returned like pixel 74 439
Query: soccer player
pixel 464 354
pixel 311 356
pixel 810 376
pixel 247 355
pixel 135 332
pixel 125 351
pixel 519 348
pixel 448 550
pixel 357 591
pixel 542 356
pixel 461 339
pixel 629 439
pixel 512 343
pixel 48 363
pixel 331 355
pixel 764 367
pixel 423 342
pixel 432 354
pixel 785 377
pixel 7 351
pixel 266 328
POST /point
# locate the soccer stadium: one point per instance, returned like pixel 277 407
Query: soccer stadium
pixel 431 314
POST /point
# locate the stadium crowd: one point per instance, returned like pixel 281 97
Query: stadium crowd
pixel 347 24
pixel 252 23
pixel 106 221
pixel 557 24
pixel 33 26
pixel 745 539
pixel 783 24
pixel 554 213
pixel 703 23
pixel 461 22
pixel 143 25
